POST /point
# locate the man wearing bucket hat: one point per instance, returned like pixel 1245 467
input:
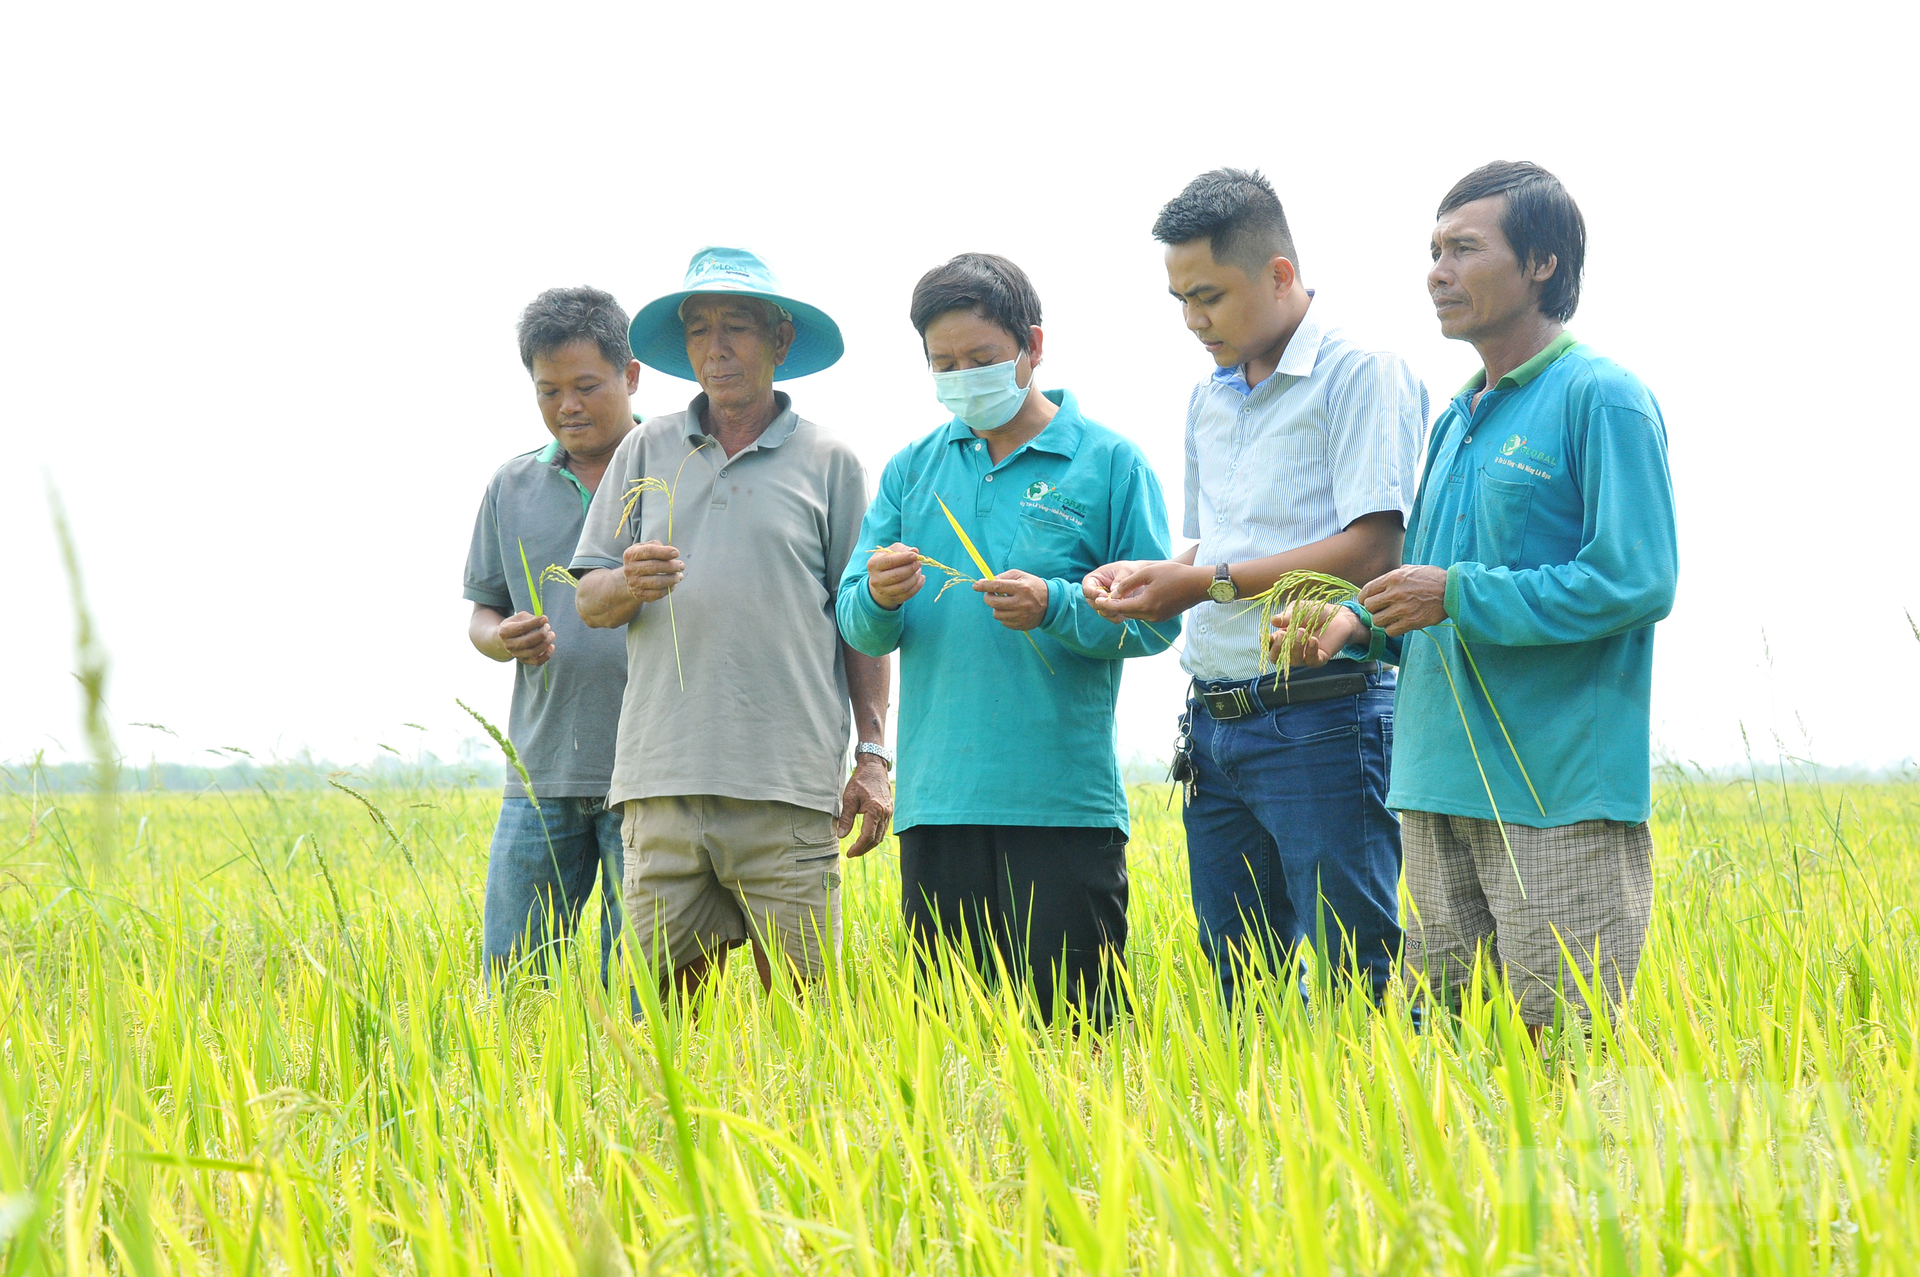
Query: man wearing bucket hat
pixel 719 542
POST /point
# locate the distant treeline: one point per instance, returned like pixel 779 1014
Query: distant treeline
pixel 426 772
pixel 431 772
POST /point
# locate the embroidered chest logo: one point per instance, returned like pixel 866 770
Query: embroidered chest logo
pixel 1042 494
pixel 1518 444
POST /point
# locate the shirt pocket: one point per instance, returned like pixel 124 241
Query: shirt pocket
pixel 1501 509
pixel 1049 546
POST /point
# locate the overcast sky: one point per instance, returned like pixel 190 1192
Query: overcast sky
pixel 264 263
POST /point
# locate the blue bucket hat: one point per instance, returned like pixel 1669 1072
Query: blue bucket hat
pixel 659 340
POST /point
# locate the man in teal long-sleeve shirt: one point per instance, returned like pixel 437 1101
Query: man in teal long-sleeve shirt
pixel 1009 805
pixel 1540 552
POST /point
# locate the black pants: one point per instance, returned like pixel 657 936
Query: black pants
pixel 1053 900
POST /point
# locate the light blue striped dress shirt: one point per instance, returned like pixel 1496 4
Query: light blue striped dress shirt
pixel 1335 433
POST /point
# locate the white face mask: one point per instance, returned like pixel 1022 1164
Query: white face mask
pixel 984 398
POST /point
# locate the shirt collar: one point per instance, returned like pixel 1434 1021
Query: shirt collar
pixel 1061 436
pixel 1528 371
pixel 778 431
pixel 1297 360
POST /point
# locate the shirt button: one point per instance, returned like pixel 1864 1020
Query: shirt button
pixel 989 478
pixel 1468 439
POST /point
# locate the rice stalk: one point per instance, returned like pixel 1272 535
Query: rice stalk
pixel 954 575
pixel 1323 596
pixel 1319 594
pixel 533 589
pixel 647 483
pixel 986 573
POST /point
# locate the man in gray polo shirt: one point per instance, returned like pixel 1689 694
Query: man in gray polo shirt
pixel 718 541
pixel 567 678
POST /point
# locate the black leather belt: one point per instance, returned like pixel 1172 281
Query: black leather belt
pixel 1225 702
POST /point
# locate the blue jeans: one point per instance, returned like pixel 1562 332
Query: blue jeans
pixel 539 880
pixel 1289 838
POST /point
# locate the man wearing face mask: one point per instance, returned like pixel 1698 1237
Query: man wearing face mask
pixel 1015 679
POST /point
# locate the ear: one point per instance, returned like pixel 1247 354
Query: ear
pixel 1541 271
pixel 1035 340
pixel 1284 276
pixel 782 341
pixel 633 375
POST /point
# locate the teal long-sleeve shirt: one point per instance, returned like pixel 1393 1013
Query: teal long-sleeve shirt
pixel 987 735
pixel 1550 505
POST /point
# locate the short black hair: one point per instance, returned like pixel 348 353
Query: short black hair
pixel 1541 221
pixel 990 286
pixel 1238 213
pixel 561 316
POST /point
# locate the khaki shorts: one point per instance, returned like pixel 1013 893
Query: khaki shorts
pixel 1589 887
pixel 704 873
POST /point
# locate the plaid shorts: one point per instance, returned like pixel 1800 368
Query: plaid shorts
pixel 1588 886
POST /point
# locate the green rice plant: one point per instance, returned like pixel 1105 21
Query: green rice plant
pixel 986 573
pixel 202 1083
pixel 533 590
pixel 648 483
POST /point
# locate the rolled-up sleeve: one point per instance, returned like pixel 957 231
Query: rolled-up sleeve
pixel 1377 421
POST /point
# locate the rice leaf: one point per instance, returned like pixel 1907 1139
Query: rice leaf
pixel 986 573
pixel 539 608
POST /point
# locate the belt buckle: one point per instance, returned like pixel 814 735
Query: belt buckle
pixel 1228 705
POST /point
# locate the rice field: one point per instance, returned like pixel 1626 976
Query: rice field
pixel 243 1033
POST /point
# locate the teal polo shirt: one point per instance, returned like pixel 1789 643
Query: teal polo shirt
pixel 987 735
pixel 1550 506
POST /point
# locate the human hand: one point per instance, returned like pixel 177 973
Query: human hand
pixel 894 575
pixel 869 793
pixel 1018 599
pixel 1407 599
pixel 1311 651
pixel 1097 584
pixel 1149 590
pixel 652 570
pixel 527 638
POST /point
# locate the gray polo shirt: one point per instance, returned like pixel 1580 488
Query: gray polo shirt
pixel 765 535
pixel 563 724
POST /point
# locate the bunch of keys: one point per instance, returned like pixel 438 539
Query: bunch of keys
pixel 1182 771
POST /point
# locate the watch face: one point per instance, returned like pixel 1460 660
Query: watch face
pixel 1221 591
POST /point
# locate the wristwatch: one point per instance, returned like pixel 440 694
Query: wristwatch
pixel 880 752
pixel 1222 588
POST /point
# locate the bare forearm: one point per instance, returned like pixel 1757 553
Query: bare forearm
pixel 603 599
pixel 1368 547
pixel 869 679
pixel 483 631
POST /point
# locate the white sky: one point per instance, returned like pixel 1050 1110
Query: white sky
pixel 265 260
